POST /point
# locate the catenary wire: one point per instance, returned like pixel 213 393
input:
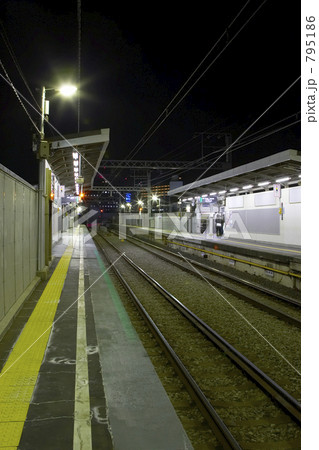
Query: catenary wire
pixel 17 95
pixel 166 113
pixel 239 145
pixel 60 134
pixel 248 140
pixel 16 62
pixel 242 134
pixel 177 150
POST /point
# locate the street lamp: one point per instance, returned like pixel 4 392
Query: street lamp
pixel 155 198
pixel 140 206
pixel 43 152
pixel 66 90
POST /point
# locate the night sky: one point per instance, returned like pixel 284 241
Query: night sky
pixel 135 59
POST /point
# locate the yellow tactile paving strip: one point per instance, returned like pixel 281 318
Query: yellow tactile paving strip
pixel 19 375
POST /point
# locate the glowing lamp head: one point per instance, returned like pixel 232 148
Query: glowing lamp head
pixel 67 90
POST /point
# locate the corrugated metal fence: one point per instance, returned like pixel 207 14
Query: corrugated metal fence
pixel 18 243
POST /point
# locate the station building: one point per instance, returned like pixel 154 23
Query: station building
pixel 260 200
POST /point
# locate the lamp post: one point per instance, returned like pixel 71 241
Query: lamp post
pixel 140 206
pixel 155 198
pixel 66 90
pixel 43 153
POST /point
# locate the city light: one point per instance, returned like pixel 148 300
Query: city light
pixel 67 90
pixel 281 180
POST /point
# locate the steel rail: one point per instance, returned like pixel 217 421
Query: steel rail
pixel 217 425
pixel 257 303
pixel 287 402
pixel 226 275
pixel 244 261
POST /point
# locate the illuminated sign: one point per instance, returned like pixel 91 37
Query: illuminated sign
pixel 208 199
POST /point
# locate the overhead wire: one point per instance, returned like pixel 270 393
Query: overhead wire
pixel 16 62
pixel 273 124
pixel 19 95
pixel 242 134
pixel 244 142
pixel 171 107
pixel 8 79
pixel 249 139
pixel 60 134
pixel 18 67
pixel 176 152
pixel 240 144
pixel 166 113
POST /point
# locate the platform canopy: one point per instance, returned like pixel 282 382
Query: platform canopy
pixel 286 164
pixel 91 145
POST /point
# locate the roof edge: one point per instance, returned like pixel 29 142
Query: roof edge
pixel 286 155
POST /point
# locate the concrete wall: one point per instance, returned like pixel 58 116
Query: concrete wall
pixel 18 243
pixel 256 216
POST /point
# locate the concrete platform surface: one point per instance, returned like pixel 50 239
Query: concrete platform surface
pixel 243 246
pixel 95 386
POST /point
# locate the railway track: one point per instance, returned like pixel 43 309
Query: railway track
pixel 278 304
pixel 238 400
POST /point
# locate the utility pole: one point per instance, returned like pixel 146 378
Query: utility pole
pixel 149 187
pixel 42 154
pixel 201 134
pixel 228 141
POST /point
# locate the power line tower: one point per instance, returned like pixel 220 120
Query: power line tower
pixel 206 143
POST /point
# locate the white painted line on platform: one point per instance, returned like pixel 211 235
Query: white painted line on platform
pixel 82 438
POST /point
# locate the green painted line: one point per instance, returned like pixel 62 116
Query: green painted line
pixel 123 316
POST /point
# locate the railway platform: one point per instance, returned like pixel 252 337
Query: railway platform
pixel 270 262
pixel 271 250
pixel 74 373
